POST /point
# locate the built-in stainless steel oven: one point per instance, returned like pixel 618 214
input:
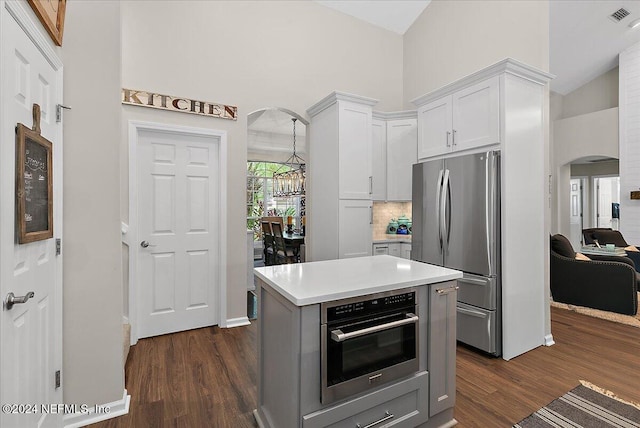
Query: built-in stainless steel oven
pixel 367 341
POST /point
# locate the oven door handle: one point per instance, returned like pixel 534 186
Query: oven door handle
pixel 339 336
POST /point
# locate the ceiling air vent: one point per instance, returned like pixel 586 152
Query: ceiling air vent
pixel 619 15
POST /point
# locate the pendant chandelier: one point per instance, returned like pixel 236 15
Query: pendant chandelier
pixel 289 179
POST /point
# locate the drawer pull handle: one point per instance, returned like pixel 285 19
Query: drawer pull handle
pixel 447 290
pixel 387 416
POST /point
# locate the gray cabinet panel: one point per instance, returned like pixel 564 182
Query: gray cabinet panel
pixel 442 346
pixel 405 400
pixel 279 323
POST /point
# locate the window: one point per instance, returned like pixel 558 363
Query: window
pixel 261 202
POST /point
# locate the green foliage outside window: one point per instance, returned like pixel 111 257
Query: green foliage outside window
pixel 260 200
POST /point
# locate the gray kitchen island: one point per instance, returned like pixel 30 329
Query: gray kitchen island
pixel 361 343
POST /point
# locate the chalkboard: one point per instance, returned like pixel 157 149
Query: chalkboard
pixel 34 186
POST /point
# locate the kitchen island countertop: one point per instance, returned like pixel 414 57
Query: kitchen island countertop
pixel 317 282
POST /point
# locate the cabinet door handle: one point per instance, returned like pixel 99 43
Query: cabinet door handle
pixel 448 135
pixel 454 138
pixel 371 185
pixel 448 290
pixel 371 215
pixel 387 416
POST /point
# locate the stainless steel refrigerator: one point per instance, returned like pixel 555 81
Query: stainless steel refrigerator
pixel 456 224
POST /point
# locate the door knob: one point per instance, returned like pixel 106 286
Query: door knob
pixel 145 244
pixel 12 299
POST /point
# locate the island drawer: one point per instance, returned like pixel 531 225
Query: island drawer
pixel 403 404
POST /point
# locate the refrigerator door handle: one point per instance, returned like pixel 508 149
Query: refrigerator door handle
pixel 491 183
pixel 445 220
pixel 438 208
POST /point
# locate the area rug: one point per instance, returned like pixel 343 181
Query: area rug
pixel 585 406
pixel 611 316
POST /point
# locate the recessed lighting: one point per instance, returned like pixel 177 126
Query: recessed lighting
pixel 634 24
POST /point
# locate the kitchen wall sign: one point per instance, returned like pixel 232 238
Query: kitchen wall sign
pixel 34 185
pixel 51 14
pixel 185 105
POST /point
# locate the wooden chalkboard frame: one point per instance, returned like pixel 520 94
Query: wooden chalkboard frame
pixel 22 135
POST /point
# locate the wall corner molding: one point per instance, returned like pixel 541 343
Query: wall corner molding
pixel 115 409
pixel 236 322
pixel 548 340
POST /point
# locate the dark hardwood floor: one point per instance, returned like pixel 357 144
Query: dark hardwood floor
pixel 207 377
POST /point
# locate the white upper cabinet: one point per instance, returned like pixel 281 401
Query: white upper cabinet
pixel 434 128
pixel 402 141
pixel 354 157
pixel 476 115
pixel 394 148
pixel 379 159
pixel 466 119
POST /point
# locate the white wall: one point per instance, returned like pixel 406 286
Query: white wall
pixel 599 94
pixel 93 369
pixel 592 134
pixel 252 54
pixel 630 142
pixel 452 39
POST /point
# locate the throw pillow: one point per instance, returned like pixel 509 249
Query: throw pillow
pixel 561 245
pixel 580 256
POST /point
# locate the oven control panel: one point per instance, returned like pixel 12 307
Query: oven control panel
pixel 367 307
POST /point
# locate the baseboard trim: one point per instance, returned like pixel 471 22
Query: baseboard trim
pixel 110 410
pixel 237 322
pixel 548 340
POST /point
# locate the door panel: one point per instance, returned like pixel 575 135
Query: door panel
pixel 426 245
pixel 355 228
pixel 178 210
pixel 434 128
pixel 472 210
pixel 30 333
pixel 476 115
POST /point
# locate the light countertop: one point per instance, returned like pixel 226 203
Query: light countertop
pixel 387 238
pixel 317 282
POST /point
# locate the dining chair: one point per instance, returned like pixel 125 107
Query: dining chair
pixel 268 244
pixel 284 253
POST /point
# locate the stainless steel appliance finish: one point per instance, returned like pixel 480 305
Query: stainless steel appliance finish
pixel 368 341
pixel 456 224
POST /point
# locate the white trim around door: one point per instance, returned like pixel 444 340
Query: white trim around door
pixel 216 137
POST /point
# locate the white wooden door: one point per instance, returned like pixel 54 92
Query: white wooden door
pixel 476 115
pixel 354 157
pixel 355 228
pixel 178 232
pixel 30 333
pixel 575 213
pixel 402 141
pixel 434 128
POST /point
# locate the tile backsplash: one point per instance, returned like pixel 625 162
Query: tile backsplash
pixel 383 212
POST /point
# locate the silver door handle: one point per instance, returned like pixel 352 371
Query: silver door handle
pixel 371 184
pixel 453 140
pixel 145 244
pixel 443 210
pixel 448 135
pixel 471 312
pixel 12 299
pixel 387 416
pixel 447 290
pixel 439 213
pixel 339 336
